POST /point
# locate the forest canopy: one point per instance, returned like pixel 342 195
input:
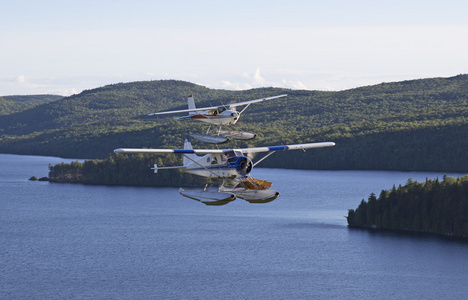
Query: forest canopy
pixel 119 169
pixel 431 206
pixel 409 125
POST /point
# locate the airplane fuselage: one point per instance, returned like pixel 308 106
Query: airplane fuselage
pixel 225 165
pixel 226 117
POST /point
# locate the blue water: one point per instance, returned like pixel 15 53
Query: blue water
pixel 65 241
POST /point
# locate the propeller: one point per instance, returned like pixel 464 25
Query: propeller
pixel 244 165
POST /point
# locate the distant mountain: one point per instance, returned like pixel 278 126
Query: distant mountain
pixel 409 125
pixel 34 98
pixel 14 104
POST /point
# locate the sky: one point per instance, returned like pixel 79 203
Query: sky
pixel 64 47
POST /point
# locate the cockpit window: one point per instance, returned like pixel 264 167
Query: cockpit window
pixel 231 159
pixel 230 153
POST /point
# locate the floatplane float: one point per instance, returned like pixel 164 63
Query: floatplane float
pixel 217 116
pixel 225 164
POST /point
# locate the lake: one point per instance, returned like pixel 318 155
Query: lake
pixel 67 241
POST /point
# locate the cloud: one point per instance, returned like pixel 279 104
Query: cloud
pixel 20 79
pixel 258 79
pixel 24 85
pixel 295 85
pixel 247 80
pixel 11 86
pixel 255 80
pixel 234 86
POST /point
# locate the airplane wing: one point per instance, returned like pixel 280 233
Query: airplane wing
pixel 287 147
pixel 215 107
pixel 183 151
pixel 214 151
pixel 255 101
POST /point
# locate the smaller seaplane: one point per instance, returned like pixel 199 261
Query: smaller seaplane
pixel 217 115
pixel 225 164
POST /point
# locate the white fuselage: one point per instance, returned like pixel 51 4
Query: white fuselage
pixel 226 165
pixel 226 117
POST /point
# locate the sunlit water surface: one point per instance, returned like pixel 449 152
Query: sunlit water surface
pixel 66 241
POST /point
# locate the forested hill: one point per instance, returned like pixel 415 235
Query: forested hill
pixel 409 125
pixel 15 104
pixel 40 99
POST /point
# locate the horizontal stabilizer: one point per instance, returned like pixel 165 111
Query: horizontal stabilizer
pixel 156 168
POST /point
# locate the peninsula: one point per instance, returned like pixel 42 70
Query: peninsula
pixel 433 206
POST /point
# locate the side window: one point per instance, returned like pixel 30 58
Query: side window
pixel 229 153
pixel 208 159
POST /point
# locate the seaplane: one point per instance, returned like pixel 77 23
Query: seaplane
pixel 217 115
pixel 225 164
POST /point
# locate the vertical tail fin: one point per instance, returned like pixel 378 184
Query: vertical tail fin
pixel 191 104
pixel 188 146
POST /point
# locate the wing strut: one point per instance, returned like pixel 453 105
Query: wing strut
pixel 263 158
pixel 244 109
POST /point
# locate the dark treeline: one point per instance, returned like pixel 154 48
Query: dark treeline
pixel 428 149
pixel 431 206
pixel 133 170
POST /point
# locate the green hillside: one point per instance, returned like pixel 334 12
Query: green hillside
pixel 14 104
pixel 409 125
pixel 39 99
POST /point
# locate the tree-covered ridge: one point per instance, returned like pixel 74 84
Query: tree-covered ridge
pixel 15 104
pixel 40 99
pixel 8 107
pixel 431 206
pixel 383 126
pixel 118 169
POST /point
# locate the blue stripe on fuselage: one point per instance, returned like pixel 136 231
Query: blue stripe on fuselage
pixel 183 151
pixel 274 148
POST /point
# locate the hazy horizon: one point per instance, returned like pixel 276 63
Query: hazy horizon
pixel 65 47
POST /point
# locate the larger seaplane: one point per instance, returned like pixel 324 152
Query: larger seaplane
pixel 217 115
pixel 225 164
